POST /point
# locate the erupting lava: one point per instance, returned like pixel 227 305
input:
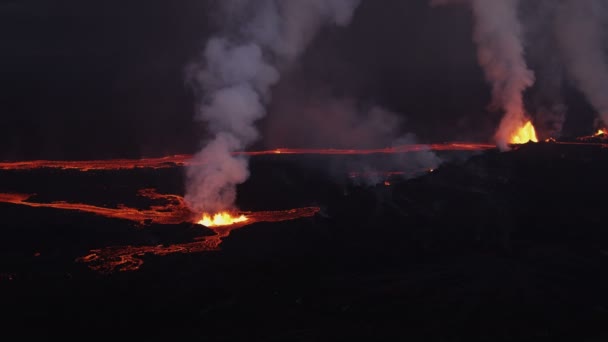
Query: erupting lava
pixel 221 219
pixel 601 132
pixel 110 164
pixel 524 134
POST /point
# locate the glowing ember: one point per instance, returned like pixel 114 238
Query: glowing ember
pixel 221 219
pixel 524 134
pixel 601 132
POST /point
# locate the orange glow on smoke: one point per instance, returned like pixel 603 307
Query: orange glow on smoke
pixel 524 134
pixel 221 219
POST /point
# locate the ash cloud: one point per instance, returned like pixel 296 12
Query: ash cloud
pixel 233 79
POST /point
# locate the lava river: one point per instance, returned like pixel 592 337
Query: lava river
pixel 185 159
pixel 172 211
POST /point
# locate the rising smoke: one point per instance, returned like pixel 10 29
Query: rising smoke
pixel 581 31
pixel 567 39
pixel 546 100
pixel 500 52
pixel 314 119
pixel 234 77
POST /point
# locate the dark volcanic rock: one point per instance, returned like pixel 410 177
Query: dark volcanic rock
pixel 499 247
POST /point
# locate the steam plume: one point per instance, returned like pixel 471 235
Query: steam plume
pixel 234 78
pixel 547 99
pixel 500 52
pixel 580 27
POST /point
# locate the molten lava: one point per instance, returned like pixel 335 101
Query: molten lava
pixel 221 219
pixel 110 164
pixel 130 258
pixel 524 134
pixel 185 160
pixel 173 211
pixel 598 137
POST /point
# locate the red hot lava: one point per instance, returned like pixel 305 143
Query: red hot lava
pixel 172 212
pixel 110 164
pixel 184 159
pixel 129 258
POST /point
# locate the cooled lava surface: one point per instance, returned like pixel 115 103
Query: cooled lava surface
pixel 496 246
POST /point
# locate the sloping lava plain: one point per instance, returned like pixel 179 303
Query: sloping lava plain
pixel 499 247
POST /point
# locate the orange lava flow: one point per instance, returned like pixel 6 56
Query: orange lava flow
pixel 174 211
pixel 130 258
pixel 109 164
pixel 600 135
pixel 454 146
pixel 185 159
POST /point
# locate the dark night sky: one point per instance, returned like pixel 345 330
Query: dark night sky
pixel 101 79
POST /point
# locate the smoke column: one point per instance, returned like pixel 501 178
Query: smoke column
pixel 500 52
pixel 547 100
pixel 580 26
pixel 233 79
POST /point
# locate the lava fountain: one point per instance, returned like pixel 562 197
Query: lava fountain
pixel 524 134
pixel 221 219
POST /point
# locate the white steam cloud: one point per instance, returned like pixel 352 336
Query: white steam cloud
pixel 234 78
pixel 581 31
pixel 500 52
pixel 546 99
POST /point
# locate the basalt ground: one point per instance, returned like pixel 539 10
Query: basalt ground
pixel 489 247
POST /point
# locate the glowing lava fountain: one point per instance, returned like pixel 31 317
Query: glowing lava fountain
pixel 524 134
pixel 221 219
